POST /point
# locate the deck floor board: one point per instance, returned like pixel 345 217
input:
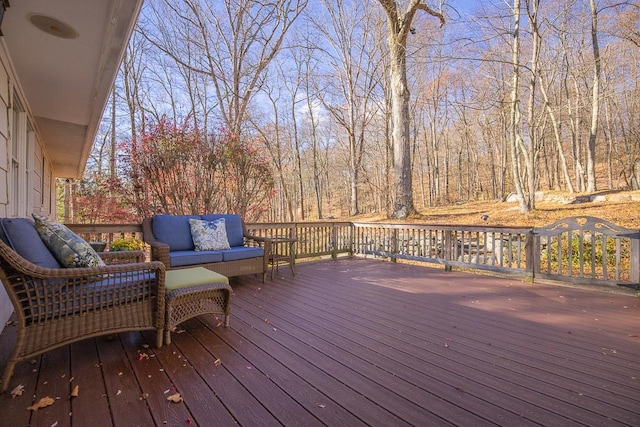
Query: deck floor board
pixel 353 342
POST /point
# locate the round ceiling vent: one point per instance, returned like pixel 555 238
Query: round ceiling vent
pixel 53 26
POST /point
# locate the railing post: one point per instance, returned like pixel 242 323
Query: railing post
pixel 394 244
pixel 532 253
pixel 293 234
pixel 352 239
pixel 334 238
pixel 635 259
pixel 448 249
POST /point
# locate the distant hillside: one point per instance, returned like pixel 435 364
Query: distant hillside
pixel 621 208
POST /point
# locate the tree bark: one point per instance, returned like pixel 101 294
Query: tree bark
pixel 399 26
pixel 595 102
pixel 515 109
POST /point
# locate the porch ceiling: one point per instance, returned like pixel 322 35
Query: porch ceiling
pixel 66 81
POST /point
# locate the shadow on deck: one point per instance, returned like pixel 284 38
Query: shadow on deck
pixel 357 342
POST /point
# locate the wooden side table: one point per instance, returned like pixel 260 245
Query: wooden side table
pixel 282 249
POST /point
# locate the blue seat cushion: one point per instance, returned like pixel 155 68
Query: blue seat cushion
pixel 174 230
pixel 233 224
pixel 241 252
pixel 21 235
pixel 182 258
pixel 58 297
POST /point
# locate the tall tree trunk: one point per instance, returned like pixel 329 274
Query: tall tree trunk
pixel 112 151
pixel 515 110
pixel 595 102
pixel 398 29
pixel 557 137
pixel 532 152
pixel 403 204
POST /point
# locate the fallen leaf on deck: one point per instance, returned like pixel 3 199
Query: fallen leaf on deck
pixel 42 403
pixel 321 405
pixel 54 424
pixel 143 356
pixel 144 396
pixel 17 391
pixel 75 391
pixel 119 392
pixel 217 362
pixel 220 323
pixel 180 331
pixel 175 398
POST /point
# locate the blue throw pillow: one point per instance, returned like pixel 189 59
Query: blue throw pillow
pixel 68 248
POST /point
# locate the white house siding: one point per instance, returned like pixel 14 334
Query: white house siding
pixel 26 179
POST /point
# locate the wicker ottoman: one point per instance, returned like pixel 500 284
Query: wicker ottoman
pixel 194 291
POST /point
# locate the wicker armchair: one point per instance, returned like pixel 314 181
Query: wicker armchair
pixel 58 306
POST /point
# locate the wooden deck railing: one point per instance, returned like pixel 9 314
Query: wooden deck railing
pixel 579 250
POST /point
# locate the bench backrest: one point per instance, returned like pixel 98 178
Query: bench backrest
pixel 174 230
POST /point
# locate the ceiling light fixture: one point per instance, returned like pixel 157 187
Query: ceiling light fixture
pixel 53 26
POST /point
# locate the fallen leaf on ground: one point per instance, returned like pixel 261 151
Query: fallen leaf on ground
pixel 75 391
pixel 17 391
pixel 217 362
pixel 42 403
pixel 175 398
pixel 118 393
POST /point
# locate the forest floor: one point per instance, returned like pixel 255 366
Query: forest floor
pixel 620 208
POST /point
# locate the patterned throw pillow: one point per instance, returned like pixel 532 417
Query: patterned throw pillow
pixel 209 235
pixel 68 248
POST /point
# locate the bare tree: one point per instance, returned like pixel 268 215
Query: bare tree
pixel 399 25
pixel 595 101
pixel 349 88
pixel 235 41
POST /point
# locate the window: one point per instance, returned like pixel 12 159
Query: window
pixel 19 180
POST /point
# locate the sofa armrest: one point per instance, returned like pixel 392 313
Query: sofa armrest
pixel 159 250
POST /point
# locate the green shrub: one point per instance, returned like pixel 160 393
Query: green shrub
pixel 127 244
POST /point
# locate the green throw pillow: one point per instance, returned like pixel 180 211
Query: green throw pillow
pixel 209 235
pixel 65 245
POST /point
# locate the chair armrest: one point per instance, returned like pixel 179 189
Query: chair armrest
pixel 159 250
pixel 122 257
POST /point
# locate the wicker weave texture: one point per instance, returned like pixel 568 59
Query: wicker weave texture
pixel 57 306
pixel 184 303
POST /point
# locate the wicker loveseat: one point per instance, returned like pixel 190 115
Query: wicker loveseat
pixel 55 306
pixel 171 242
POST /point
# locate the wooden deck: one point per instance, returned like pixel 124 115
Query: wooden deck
pixel 358 342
